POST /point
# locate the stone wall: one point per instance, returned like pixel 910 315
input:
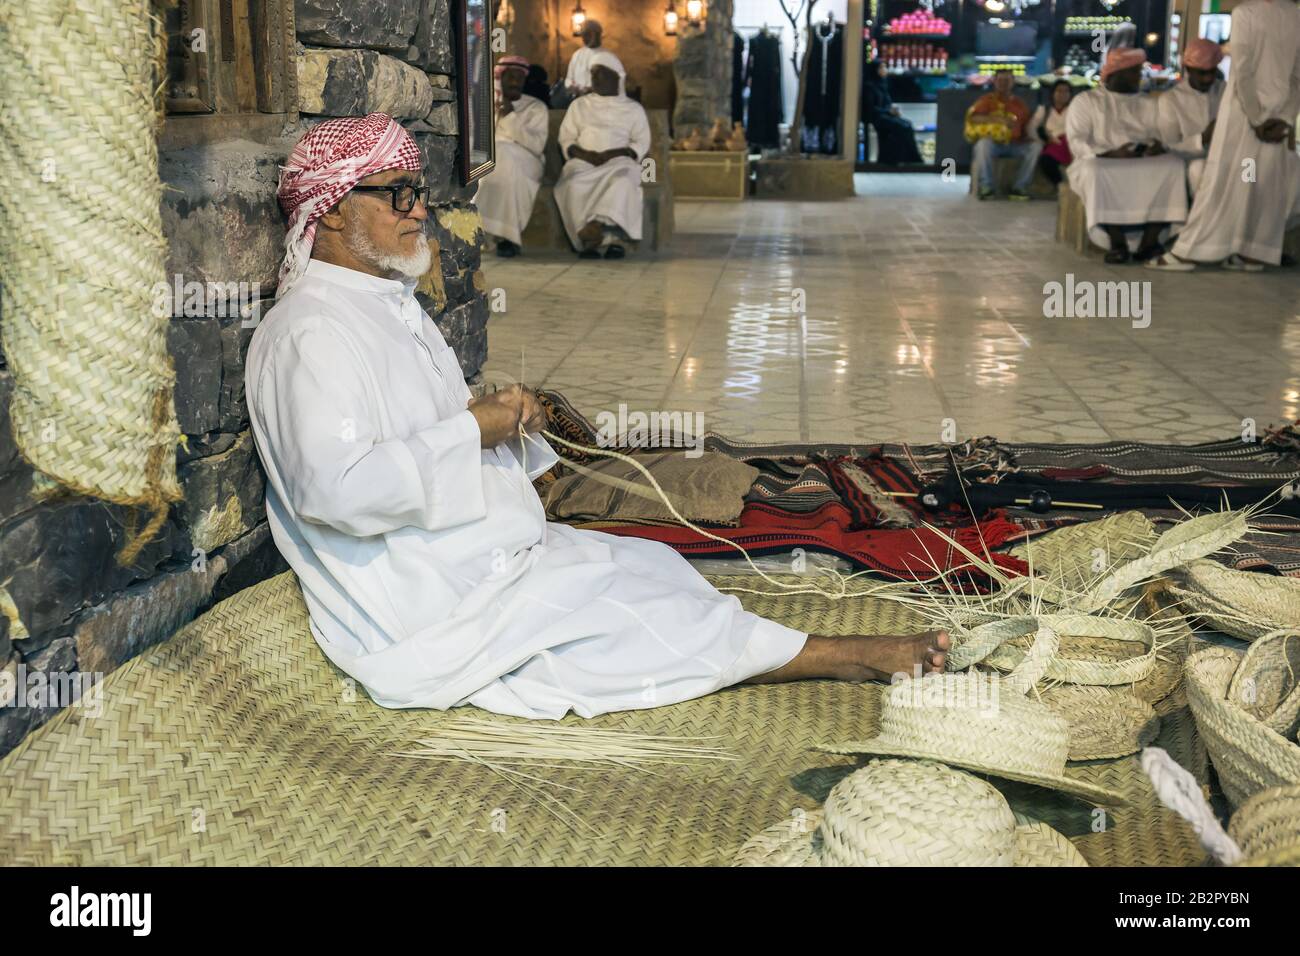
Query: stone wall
pixel 703 68
pixel 84 613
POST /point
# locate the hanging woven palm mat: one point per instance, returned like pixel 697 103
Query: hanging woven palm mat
pixel 81 252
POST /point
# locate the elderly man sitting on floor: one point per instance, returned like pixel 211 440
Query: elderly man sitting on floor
pixel 603 139
pixel 405 506
pixel 1126 178
pixel 506 195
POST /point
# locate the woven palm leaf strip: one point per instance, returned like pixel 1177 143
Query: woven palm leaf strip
pixel 236 742
pixel 82 251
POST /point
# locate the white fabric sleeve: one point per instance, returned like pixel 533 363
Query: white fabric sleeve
pixel 337 471
pixel 1245 66
pixel 534 128
pixel 570 127
pixel 640 138
pixel 1078 128
pixel 1292 107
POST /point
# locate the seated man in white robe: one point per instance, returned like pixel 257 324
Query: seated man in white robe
pixel 603 139
pixel 1132 188
pixel 406 507
pixel 1187 112
pixel 577 79
pixel 505 196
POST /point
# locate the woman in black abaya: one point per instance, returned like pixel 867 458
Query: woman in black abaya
pixel 895 136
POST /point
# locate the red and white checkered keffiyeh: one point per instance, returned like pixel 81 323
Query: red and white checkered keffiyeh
pixel 327 162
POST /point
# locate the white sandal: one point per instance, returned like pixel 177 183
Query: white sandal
pixel 1234 263
pixel 1168 262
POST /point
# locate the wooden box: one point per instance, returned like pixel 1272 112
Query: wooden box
pixel 709 175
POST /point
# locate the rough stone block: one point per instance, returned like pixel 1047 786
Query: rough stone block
pixel 223 494
pixel 465 329
pixel 357 82
pixel 233 404
pixel 110 634
pixel 195 346
pixel 220 215
pixel 441 169
pixel 432 49
pixel 388 25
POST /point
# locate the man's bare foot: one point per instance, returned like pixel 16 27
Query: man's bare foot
pixel 863 658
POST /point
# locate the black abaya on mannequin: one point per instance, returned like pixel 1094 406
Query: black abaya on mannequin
pixel 821 108
pixel 763 74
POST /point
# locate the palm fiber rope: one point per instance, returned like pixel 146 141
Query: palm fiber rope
pixel 82 252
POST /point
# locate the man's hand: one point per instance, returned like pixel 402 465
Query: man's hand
pixel 1127 151
pixel 1157 148
pixel 1273 130
pixel 500 414
pixel 505 107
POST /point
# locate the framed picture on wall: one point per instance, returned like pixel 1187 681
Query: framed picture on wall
pixel 472 23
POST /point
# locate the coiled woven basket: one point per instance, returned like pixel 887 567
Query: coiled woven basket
pixel 1248 756
pixel 1267 827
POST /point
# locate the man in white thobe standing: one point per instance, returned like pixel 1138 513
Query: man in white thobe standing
pixel 577 79
pixel 1188 111
pixel 1250 190
pixel 406 507
pixel 604 137
pixel 1132 188
pixel 505 196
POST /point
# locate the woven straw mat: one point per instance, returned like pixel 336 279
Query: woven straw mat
pixel 234 743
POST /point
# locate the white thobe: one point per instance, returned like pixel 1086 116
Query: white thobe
pixel 578 76
pixel 1250 189
pixel 609 193
pixel 506 195
pixel 429 570
pixel 1121 192
pixel 1184 114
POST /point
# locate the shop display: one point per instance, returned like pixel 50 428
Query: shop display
pixel 920 21
pixel 915 57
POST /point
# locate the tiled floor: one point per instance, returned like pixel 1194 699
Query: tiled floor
pixel 924 309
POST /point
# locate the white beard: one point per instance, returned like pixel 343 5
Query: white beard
pixel 411 266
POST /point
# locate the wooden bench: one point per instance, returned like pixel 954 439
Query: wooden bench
pixel 545 229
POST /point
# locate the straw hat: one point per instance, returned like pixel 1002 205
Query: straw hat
pixel 910 813
pixel 1267 682
pixel 1105 722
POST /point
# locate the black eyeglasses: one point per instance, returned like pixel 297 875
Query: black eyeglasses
pixel 403 195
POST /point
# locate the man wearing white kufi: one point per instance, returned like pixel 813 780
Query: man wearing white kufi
pixel 1129 183
pixel 505 196
pixel 1188 111
pixel 603 139
pixel 405 506
pixel 1250 189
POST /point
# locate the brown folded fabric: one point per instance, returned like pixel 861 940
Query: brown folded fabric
pixel 709 489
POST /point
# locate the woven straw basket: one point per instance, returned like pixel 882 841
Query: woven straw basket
pixel 885 815
pixel 1267 827
pixel 1245 604
pixel 1248 756
pixel 1267 684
